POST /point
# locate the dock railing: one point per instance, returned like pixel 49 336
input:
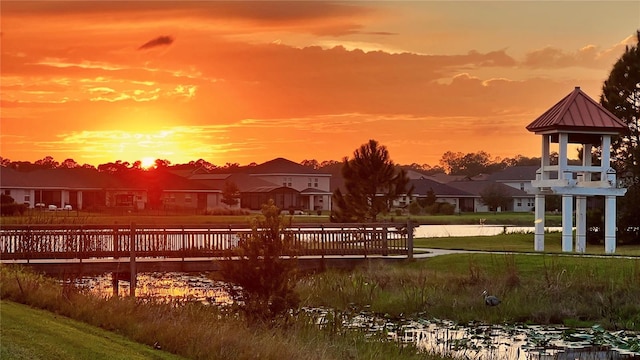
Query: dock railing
pixel 25 242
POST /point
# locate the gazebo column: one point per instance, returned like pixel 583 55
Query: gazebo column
pixel 610 225
pixel 567 223
pixel 581 223
pixel 605 163
pixel 539 223
pixel 581 203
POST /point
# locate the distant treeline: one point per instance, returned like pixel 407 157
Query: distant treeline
pixel 452 163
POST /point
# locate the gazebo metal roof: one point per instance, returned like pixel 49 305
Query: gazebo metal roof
pixel 577 113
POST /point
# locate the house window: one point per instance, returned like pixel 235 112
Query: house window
pixel 519 203
pixel 286 181
pixel 309 183
pixel 521 186
pixel 27 198
pixel 315 182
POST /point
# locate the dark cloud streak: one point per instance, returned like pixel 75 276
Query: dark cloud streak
pixel 159 41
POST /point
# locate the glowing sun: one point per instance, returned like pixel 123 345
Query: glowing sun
pixel 147 162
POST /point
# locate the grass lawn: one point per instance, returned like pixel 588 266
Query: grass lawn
pixel 162 218
pixel 29 333
pixel 514 243
pixel 489 218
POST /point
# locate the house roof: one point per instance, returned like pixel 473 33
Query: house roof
pixel 515 173
pixel 314 191
pixel 577 112
pixel 422 186
pixel 446 178
pixel 167 180
pixel 245 182
pixel 77 178
pixel 475 187
pixel 281 166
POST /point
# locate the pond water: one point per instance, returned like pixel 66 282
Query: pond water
pixel 472 341
pixel 427 231
pixel 162 286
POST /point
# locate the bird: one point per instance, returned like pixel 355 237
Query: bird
pixel 490 300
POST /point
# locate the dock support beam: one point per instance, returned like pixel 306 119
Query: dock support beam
pixel 132 260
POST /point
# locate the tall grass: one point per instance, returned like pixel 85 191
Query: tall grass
pixel 194 330
pixel 533 289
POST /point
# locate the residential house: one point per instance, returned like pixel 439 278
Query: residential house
pixel 289 184
pixel 520 200
pixel 79 188
pixel 175 192
pixel 461 200
pixel 312 185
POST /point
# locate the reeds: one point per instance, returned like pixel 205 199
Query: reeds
pixel 533 289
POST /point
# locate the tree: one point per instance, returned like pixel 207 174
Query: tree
pixel 372 182
pixel 266 279
pixel 470 164
pixel 310 163
pixel 47 162
pixel 495 196
pixel 69 164
pixel 230 193
pixel 621 96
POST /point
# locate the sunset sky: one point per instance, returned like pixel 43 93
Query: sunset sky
pixel 244 82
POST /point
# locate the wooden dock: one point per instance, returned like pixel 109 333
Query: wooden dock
pixel 127 250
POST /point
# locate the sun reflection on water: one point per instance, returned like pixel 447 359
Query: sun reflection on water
pixel 162 286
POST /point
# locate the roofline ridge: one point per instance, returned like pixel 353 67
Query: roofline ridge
pixel 568 100
pixel 615 118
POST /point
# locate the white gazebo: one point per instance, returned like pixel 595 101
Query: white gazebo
pixel 577 119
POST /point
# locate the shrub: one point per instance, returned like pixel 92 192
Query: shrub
pixel 266 279
pixel 415 208
pixel 446 209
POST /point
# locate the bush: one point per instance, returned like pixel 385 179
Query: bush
pixel 440 208
pixel 224 211
pixel 415 208
pixel 446 209
pixel 8 206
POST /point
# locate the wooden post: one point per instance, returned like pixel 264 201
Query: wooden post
pixel 114 283
pixel 409 240
pixel 385 243
pixel 116 242
pixel 132 260
pixel 28 242
pixel 322 240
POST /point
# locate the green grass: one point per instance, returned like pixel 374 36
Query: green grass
pixel 29 333
pixel 515 242
pixel 164 218
pixel 82 218
pixel 488 218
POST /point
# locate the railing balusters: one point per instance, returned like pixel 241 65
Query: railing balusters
pixel 85 241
